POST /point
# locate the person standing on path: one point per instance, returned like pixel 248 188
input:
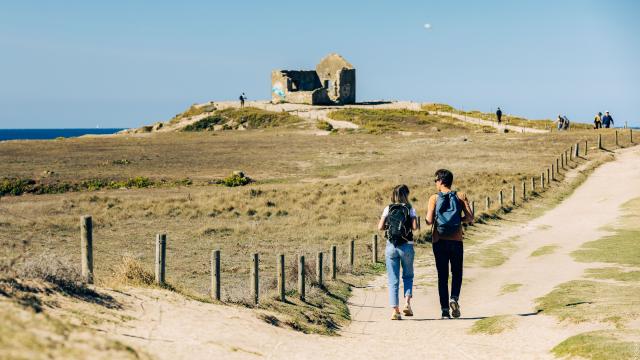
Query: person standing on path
pixel 445 214
pixel 607 120
pixel 399 219
pixel 499 115
pixel 242 98
pixel 597 121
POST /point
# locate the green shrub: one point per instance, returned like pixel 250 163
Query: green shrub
pixel 15 186
pixel 235 180
pixel 205 124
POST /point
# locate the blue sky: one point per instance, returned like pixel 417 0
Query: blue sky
pixel 128 63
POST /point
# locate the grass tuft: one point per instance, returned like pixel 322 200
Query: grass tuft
pixel 544 250
pixel 493 325
pixel 601 345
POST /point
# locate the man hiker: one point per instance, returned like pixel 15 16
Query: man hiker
pixel 607 120
pixel 597 121
pixel 243 97
pixel 446 212
pixel 499 115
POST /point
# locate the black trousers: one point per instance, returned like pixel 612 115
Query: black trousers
pixel 445 252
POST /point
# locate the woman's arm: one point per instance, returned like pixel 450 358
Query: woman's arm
pixel 414 223
pixel 381 223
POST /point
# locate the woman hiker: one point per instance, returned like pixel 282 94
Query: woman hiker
pixel 445 212
pixel 399 220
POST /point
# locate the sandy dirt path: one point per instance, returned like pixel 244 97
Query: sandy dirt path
pixel 170 327
pixel 494 124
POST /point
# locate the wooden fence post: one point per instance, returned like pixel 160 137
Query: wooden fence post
pixel 631 136
pixel 487 203
pixel 319 277
pixel 374 248
pixel 301 274
pixel 501 199
pixel 533 184
pixel 281 278
pixel 557 166
pixel 542 181
pixel 473 207
pixel 86 248
pixel 616 138
pixel 334 262
pixel 553 172
pixel 599 141
pixel 161 254
pixel 513 194
pixel 549 176
pixel 524 190
pixel 255 277
pixel 586 146
pixel 352 255
pixel 577 151
pixel 215 275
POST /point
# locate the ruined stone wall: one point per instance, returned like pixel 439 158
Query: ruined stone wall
pixel 333 82
pixel 302 80
pixel 347 86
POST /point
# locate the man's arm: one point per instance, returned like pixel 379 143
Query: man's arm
pixel 468 214
pixel 431 208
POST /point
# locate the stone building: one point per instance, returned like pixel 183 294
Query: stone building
pixel 333 82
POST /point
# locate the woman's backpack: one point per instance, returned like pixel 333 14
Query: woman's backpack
pixel 448 213
pixel 399 225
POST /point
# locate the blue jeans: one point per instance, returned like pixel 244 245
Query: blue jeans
pixel 396 256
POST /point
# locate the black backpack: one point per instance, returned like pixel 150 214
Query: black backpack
pixel 398 225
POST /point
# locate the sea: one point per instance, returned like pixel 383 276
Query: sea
pixel 44 134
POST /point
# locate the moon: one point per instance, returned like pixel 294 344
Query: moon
pixel 427 26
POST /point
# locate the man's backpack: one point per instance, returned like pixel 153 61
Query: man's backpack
pixel 399 225
pixel 448 213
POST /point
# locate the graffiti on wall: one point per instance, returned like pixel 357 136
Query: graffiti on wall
pixel 278 90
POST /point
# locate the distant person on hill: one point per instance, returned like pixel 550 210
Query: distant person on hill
pixel 560 122
pixel 446 212
pixel 242 98
pixel 607 120
pixel 565 123
pixel 597 121
pixel 399 219
pixel 499 115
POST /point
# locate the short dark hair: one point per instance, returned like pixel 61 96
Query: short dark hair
pixel 445 176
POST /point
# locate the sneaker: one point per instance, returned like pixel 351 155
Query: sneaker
pixel 407 310
pixel 396 316
pixel 445 314
pixel 455 308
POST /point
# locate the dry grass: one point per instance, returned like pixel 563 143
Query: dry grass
pixel 310 192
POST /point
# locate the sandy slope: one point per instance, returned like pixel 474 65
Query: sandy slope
pixel 170 327
pixel 316 113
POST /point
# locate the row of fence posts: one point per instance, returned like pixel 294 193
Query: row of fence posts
pixel 86 240
pixel 86 244
pixel 550 173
